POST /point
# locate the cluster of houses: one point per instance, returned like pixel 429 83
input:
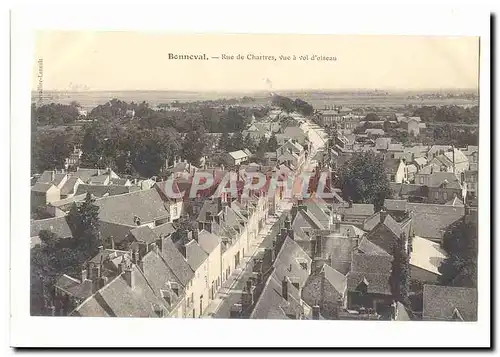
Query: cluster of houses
pixel 323 266
pixel 329 259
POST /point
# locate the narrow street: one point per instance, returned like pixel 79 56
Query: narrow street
pixel 231 290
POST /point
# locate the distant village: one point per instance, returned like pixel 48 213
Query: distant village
pixel 265 254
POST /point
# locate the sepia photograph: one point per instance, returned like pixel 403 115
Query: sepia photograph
pixel 239 176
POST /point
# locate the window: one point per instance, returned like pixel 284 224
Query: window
pixel 436 195
pixel 421 180
pixel 445 195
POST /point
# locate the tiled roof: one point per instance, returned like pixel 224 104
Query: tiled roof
pixel 369 248
pixel 440 303
pixel 74 287
pixel 334 277
pixel 365 209
pixel 147 205
pixel 208 241
pixel 69 185
pixel 117 299
pixel 287 262
pixel 57 225
pixel 377 283
pixel 176 262
pixel 42 187
pixel 371 222
pixel 144 234
pixel 371 263
pixel 101 190
pixel 444 179
pixel 272 305
pixel 421 161
pixel 395 205
pixel 195 255
pixel 164 229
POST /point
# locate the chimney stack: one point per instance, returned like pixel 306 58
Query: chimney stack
pixel 315 312
pixel 284 288
pixel 128 275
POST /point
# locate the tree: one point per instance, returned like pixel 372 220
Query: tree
pixel 84 223
pixel 237 141
pixel 272 144
pixel 460 267
pixel 50 150
pixel 262 149
pixel 363 179
pixel 387 126
pixel 372 117
pixel 400 272
pixel 194 145
pixel 225 142
pixel 249 143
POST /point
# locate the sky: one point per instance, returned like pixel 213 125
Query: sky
pixel 140 61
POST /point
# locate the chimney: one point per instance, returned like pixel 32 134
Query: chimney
pixel 219 204
pixel 315 312
pixel 84 275
pixel 383 215
pixel 128 275
pixel 284 288
pixel 208 216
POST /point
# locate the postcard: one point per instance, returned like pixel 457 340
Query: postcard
pixel 225 180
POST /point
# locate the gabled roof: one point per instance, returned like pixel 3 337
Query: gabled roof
pixel 370 248
pixel 42 187
pixel 376 283
pixel 164 229
pixel 444 180
pixel 144 234
pixel 176 262
pixel 371 263
pixel 195 255
pixel 287 262
pixel 240 154
pixel 440 303
pixel 118 299
pixel 271 303
pixel 364 209
pixel 69 185
pixel 101 190
pixel 208 241
pixel 74 287
pixel 335 278
pixel 421 161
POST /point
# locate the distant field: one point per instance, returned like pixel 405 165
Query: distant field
pixel 90 99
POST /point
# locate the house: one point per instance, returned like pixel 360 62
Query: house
pixel 292 132
pixel 451 161
pixel 368 287
pixel 281 295
pixel 382 144
pixel 472 154
pixel 104 190
pixel 411 171
pixel 62 207
pixel 197 259
pixel 441 186
pixel 387 231
pixel 411 125
pixel 145 207
pixel 175 205
pixel 355 213
pixel 43 193
pixel 375 132
pixel 211 245
pixel 395 170
pixel 70 187
pixel 238 157
pixel 54 177
pixel 328 290
pixel 469 178
pixel 428 220
pixel 447 303
pixel 291 154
